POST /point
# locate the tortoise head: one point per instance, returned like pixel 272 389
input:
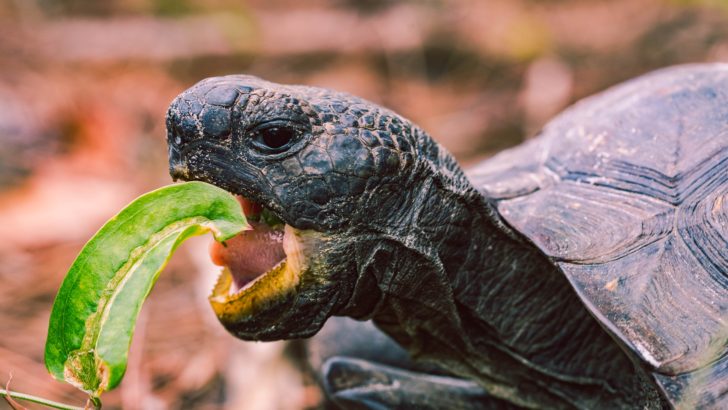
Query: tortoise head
pixel 339 174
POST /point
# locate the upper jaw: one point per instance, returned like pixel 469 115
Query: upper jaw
pixel 237 177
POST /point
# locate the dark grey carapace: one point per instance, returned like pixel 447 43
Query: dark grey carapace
pixel 586 268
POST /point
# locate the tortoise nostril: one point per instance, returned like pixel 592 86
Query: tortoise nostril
pixel 180 135
pixel 186 130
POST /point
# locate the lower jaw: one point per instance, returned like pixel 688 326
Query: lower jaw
pixel 271 289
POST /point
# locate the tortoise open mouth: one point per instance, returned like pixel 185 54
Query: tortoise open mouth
pixel 260 266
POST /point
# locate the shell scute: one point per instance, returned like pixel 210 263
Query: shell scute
pixel 627 192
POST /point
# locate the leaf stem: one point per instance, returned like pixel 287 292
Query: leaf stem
pixel 38 400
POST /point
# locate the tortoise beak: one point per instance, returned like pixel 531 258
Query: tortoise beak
pixel 179 170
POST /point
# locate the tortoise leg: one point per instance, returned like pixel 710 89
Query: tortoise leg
pixel 359 367
pixel 359 384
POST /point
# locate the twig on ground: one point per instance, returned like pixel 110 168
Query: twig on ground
pixel 10 397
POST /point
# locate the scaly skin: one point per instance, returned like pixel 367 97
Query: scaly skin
pixel 405 240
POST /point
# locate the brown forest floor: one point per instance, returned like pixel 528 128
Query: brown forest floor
pixel 83 91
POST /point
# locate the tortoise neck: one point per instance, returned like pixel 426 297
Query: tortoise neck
pixel 457 287
pixel 441 235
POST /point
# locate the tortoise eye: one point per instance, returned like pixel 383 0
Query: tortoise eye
pixel 274 138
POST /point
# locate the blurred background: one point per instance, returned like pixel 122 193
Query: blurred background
pixel 84 87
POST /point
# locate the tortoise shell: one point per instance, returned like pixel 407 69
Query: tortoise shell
pixel 627 192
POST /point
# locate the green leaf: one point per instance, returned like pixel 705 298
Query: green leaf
pixel 95 311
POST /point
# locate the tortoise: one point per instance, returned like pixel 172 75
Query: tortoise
pixel 585 268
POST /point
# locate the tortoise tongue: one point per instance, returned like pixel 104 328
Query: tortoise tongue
pixel 252 253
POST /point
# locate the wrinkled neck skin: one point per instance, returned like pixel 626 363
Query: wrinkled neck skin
pixel 445 277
